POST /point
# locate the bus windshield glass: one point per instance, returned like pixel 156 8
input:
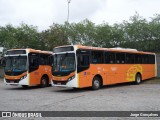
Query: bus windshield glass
pixel 63 63
pixel 16 64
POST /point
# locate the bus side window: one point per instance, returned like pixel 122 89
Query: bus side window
pixel 138 58
pixel 33 61
pixel 130 58
pixel 83 60
pixel 146 59
pixel 151 59
pixel 97 57
pixel 120 58
pixel 44 59
pixel 50 60
pixel 110 57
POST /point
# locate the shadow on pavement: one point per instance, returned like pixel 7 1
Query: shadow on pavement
pixel 78 90
pixel 21 88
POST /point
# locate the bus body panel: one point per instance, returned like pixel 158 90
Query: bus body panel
pixel 69 80
pixel 148 71
pixel 65 78
pixel 73 83
pixel 110 73
pixel 35 76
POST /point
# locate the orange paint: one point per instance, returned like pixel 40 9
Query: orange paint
pixel 35 76
pixel 123 73
pixel 65 78
pixel 15 77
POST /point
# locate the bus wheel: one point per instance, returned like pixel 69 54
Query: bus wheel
pixel 25 86
pixel 96 83
pixel 43 82
pixel 138 79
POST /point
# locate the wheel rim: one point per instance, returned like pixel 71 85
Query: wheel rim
pixel 43 82
pixel 138 79
pixel 96 83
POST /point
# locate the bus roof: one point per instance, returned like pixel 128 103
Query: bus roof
pixel 118 49
pixel 33 50
pixel 128 50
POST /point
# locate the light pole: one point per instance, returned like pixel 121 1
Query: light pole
pixel 69 1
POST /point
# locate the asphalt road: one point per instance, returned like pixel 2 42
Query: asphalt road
pixel 123 97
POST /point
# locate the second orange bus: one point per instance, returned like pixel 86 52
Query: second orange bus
pixel 80 66
pixel 27 67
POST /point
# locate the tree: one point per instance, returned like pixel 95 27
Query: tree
pixel 23 36
pixel 55 36
pixel 7 37
pixel 82 33
pixel 137 33
pixel 155 36
pixel 27 37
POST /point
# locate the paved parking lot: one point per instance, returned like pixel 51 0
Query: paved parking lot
pixel 124 97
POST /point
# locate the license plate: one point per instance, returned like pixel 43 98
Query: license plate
pixel 11 81
pixel 58 83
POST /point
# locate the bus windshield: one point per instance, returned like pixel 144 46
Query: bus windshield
pixel 16 64
pixel 63 63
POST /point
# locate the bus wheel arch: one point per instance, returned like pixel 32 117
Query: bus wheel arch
pixel 138 78
pixel 44 81
pixel 97 82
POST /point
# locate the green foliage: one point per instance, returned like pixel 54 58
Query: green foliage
pixel 7 36
pixel 137 33
pixel 82 33
pixel 23 36
pixel 55 36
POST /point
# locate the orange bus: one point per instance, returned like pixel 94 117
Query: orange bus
pixel 27 67
pixel 80 66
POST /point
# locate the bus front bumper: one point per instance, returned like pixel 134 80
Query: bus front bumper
pixel 67 84
pixel 16 82
pixel 58 85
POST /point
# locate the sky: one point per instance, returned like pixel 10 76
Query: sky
pixel 43 13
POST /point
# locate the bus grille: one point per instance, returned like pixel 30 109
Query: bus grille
pixel 60 82
pixel 12 81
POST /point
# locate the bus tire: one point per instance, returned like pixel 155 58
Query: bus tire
pixel 138 79
pixel 96 83
pixel 44 82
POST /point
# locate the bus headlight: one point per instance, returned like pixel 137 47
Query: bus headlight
pixel 71 78
pixel 23 77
